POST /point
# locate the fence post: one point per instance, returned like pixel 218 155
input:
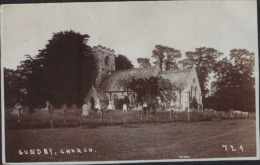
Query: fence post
pixel 64 114
pixel 125 118
pixel 79 116
pixel 170 115
pixel 19 115
pixel 188 113
pixel 147 114
pixel 111 121
pixel 102 115
pixel 193 113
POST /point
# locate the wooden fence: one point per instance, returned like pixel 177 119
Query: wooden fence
pixel 117 116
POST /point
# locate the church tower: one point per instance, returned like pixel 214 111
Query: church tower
pixel 105 60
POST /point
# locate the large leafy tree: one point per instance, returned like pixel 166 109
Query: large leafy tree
pixel 204 59
pixel 244 60
pixel 122 62
pixel 12 87
pixel 68 68
pixel 234 87
pixel 167 56
pixel 62 72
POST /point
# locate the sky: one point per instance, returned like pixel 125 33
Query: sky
pixel 131 28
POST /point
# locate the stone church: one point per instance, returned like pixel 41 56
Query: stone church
pixel 107 89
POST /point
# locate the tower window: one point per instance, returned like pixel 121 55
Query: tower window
pixel 106 60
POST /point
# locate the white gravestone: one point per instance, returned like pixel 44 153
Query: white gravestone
pixel 85 109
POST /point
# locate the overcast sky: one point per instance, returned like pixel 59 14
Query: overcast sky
pixel 131 28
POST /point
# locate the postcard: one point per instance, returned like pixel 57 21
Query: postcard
pixel 129 82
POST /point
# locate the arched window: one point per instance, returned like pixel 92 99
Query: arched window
pixel 194 80
pixel 92 103
pixel 106 60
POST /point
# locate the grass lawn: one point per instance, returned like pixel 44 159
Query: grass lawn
pixel 135 142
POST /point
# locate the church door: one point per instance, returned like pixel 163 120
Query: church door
pixel 92 103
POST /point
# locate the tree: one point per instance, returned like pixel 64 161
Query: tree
pixel 186 63
pixel 166 55
pixel 122 62
pixel 234 87
pixel 12 87
pixel 204 59
pixel 62 72
pixel 243 59
pixel 143 62
pixel 149 89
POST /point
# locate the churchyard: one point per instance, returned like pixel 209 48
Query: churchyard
pixel 175 140
pixel 73 117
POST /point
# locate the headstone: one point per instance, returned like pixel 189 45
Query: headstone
pixel 85 109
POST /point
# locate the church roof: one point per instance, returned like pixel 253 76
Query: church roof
pixel 112 81
pixel 97 93
pixel 177 77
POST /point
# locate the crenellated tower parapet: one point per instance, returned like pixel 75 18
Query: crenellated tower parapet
pixel 105 60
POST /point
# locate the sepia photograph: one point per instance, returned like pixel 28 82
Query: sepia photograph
pixel 129 82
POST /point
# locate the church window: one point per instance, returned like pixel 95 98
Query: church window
pixel 92 103
pixel 106 60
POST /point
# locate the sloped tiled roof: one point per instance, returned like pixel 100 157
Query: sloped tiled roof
pixel 112 81
pixel 177 77
pixel 100 94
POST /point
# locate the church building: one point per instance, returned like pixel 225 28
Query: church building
pixel 107 88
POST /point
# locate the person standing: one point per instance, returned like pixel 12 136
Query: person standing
pixel 145 109
pixel 18 108
pixel 124 112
